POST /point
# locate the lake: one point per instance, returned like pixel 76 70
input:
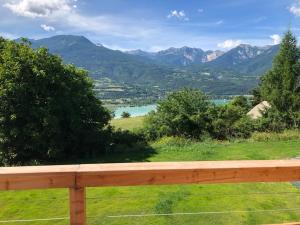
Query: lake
pixel 144 110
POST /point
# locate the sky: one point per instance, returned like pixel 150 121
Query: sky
pixel 154 25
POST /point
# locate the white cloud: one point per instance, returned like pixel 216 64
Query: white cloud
pixel 39 8
pixel 295 9
pixel 276 39
pixel 64 14
pixel 8 35
pixel 229 44
pixel 47 28
pixel 219 22
pixel 178 14
pixel 200 10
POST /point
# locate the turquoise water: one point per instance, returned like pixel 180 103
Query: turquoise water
pixel 135 110
pixel 144 110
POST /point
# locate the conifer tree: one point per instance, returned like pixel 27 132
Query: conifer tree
pixel 281 85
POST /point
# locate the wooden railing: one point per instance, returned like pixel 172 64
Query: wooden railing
pixel 78 177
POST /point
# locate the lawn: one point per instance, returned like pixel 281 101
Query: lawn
pixel 128 123
pixel 109 205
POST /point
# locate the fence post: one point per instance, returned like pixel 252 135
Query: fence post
pixel 77 206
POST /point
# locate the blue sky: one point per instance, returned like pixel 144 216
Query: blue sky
pixel 153 25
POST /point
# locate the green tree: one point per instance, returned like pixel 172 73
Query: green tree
pixel 281 85
pixel 189 113
pixel 242 102
pixel 182 113
pixel 125 115
pixel 48 110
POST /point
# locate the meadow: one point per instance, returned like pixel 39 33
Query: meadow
pixel 128 123
pixel 118 205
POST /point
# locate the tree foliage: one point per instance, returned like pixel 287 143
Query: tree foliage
pixel 48 110
pixel 281 85
pixel 189 113
pixel 125 115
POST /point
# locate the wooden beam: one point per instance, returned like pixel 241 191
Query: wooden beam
pixel 77 206
pixel 297 223
pixel 134 174
pixel 37 177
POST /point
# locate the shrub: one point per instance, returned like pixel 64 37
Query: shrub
pixel 182 113
pixel 188 113
pixel 125 115
pixel 124 140
pixel 230 122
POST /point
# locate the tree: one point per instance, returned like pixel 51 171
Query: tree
pixel 281 85
pixel 242 102
pixel 48 110
pixel 125 115
pixel 182 113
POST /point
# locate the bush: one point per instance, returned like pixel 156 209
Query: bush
pixel 124 140
pixel 188 113
pixel 182 113
pixel 230 122
pixel 125 115
pixel 274 121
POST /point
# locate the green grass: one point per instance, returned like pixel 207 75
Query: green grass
pixel 105 202
pixel 128 123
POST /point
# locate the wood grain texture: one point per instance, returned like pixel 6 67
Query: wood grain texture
pixel 297 223
pixel 37 177
pixel 77 206
pixel 134 174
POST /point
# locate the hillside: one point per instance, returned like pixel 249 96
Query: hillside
pixel 247 59
pixel 101 61
pixel 153 74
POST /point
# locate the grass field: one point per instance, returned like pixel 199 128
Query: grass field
pixel 128 123
pixel 104 204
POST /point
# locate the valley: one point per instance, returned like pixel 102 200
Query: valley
pixel 138 77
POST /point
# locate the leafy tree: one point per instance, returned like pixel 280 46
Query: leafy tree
pixel 189 113
pixel 48 110
pixel 242 102
pixel 125 115
pixel 281 85
pixel 182 113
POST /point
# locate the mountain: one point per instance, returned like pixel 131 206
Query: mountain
pixel 238 55
pixel 215 72
pixel 246 59
pixel 259 64
pixel 103 62
pixel 179 56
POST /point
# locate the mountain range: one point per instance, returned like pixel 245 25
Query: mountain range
pixel 216 72
pixel 179 56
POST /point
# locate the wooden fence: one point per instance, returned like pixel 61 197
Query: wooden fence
pixel 78 177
